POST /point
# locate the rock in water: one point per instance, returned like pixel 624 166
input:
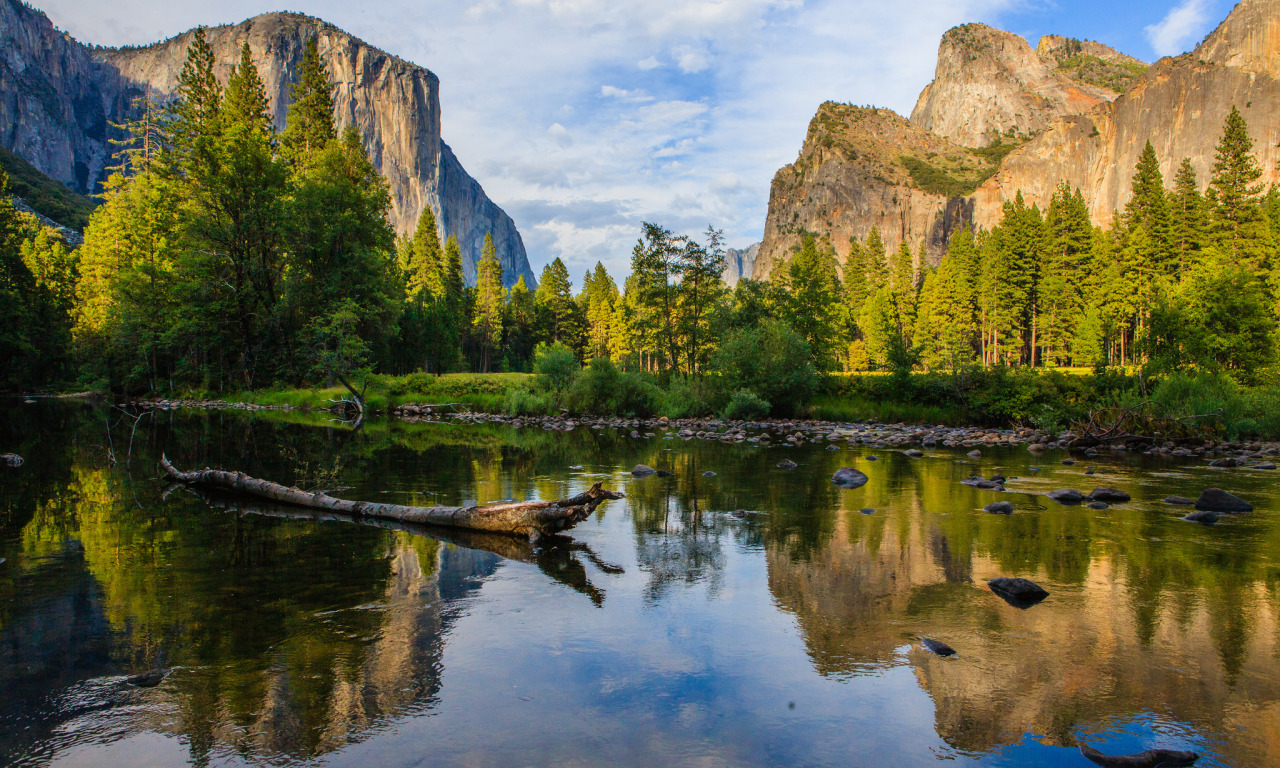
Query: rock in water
pixel 999 508
pixel 1203 516
pixel 1109 495
pixel 1218 500
pixel 913 453
pixel 937 646
pixel 787 464
pixel 1181 501
pixel 12 459
pixel 708 473
pixel 1066 496
pixel 664 473
pixel 847 477
pixel 149 679
pixel 1018 592
pixel 641 470
pixel 1152 758
pixel 1098 505
pixel 974 454
pixel 863 511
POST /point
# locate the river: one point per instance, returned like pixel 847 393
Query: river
pixel 755 618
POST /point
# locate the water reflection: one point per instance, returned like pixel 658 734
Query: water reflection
pixel 752 617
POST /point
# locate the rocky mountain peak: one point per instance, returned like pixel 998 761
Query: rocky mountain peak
pixel 990 83
pixel 1248 39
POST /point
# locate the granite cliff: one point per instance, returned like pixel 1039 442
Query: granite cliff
pixel 58 98
pixel 1001 117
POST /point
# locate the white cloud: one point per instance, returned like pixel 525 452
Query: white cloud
pixel 1180 29
pixel 583 118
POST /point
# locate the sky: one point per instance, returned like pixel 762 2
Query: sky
pixel 585 118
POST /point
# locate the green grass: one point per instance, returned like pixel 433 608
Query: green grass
pixel 844 408
pixel 51 198
pixel 474 391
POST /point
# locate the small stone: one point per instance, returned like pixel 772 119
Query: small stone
pixel 786 464
pixel 1110 495
pixel 913 453
pixel 999 508
pixel 1264 465
pixel 1218 500
pixel 1068 462
pixel 665 473
pixel 1203 516
pixel 974 454
pixel 866 511
pixel 1098 505
pixel 1018 592
pixel 847 477
pixel 708 473
pixel 873 458
pixel 937 646
pixel 1066 496
pixel 641 470
pixel 1181 501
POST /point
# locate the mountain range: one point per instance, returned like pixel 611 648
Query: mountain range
pixel 59 98
pixel 1001 117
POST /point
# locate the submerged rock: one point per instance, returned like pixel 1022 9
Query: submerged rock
pixel 1218 500
pixel 1066 496
pixel 665 473
pixel 641 470
pixel 708 473
pixel 1152 758
pixel 1098 505
pixel 913 453
pixel 1203 516
pixel 974 454
pixel 1109 495
pixel 12 459
pixel 982 482
pixel 1018 592
pixel 1181 501
pixel 149 679
pixel 786 464
pixel 1068 462
pixel 937 646
pixel 863 511
pixel 999 508
pixel 847 477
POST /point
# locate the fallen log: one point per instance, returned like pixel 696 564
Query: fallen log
pixel 532 519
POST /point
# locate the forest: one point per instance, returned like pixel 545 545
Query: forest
pixel 230 256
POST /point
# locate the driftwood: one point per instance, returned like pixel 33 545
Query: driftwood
pixel 532 519
pixel 555 555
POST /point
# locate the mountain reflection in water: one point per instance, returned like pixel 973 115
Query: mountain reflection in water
pixel 663 631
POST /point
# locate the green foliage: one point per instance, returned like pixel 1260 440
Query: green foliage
pixel 771 360
pixel 555 365
pixel 938 181
pixel 601 388
pixel 745 405
pixel 47 196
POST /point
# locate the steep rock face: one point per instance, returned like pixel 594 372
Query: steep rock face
pixel 739 263
pixel 1179 105
pixel 394 104
pixel 989 82
pixel 1093 63
pixel 853 174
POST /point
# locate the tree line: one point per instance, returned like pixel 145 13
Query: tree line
pixel 230 255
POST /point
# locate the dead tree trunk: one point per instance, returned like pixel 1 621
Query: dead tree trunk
pixel 533 519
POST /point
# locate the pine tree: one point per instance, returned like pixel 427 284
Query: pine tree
pixel 599 296
pixel 558 312
pixel 1234 194
pixel 519 324
pixel 901 270
pixel 1149 207
pixel 196 109
pixel 489 301
pixel 1189 219
pixel 1061 297
pixel 309 122
pixel 653 261
pixel 813 306
pixel 699 270
pixel 856 282
pixel 876 261
pixel 425 267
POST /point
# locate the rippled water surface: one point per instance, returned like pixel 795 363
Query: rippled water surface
pixel 666 631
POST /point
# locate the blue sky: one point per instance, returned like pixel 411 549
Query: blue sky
pixel 583 118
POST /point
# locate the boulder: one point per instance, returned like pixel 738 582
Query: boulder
pixel 999 508
pixel 1109 495
pixel 1018 592
pixel 847 477
pixel 786 464
pixel 1066 496
pixel 1218 500
pixel 641 470
pixel 937 646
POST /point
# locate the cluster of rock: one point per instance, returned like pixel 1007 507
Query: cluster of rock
pixel 212 405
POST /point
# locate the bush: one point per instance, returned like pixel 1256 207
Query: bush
pixel 686 397
pixel 746 405
pixel 525 402
pixel 771 360
pixel 601 389
pixel 555 365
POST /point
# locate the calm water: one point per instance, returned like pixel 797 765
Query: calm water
pixel 666 632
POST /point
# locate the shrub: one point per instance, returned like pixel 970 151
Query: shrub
pixel 686 397
pixel 771 360
pixel 555 365
pixel 746 405
pixel 525 402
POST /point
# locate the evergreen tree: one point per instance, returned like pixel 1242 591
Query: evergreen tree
pixel 812 305
pixel 309 122
pixel 519 325
pixel 699 270
pixel 1234 194
pixel 1149 208
pixel 1062 270
pixel 1189 222
pixel 196 109
pixel 654 262
pixel 599 297
pixel 489 302
pixel 558 315
pixel 425 267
